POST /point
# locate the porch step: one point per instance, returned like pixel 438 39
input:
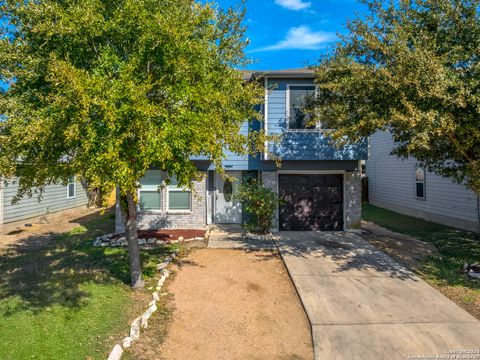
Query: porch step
pixel 227 227
pixel 230 237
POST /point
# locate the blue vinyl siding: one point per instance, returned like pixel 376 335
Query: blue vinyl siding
pixel 293 145
pixel 301 145
pixel 235 161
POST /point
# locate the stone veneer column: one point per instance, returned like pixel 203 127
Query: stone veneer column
pixel 269 180
pixel 353 200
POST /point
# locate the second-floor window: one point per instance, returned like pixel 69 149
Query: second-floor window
pixel 297 97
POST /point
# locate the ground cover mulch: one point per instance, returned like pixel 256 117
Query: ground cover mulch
pixel 171 234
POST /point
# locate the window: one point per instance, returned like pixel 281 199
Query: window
pixel 227 190
pixel 71 188
pixel 179 199
pixel 250 177
pixel 150 191
pixel 420 182
pixel 297 97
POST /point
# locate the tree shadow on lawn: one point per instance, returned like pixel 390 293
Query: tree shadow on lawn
pixel 452 247
pixel 456 247
pixel 51 269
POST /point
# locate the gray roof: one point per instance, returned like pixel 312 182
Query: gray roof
pixel 250 75
pixel 288 73
pixel 247 74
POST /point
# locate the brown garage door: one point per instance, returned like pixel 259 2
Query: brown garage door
pixel 311 202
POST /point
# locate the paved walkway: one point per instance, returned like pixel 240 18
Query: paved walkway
pixel 363 305
pixel 230 237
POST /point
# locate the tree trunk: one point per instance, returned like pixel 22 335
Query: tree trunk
pixel 132 239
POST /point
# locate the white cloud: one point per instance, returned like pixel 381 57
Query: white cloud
pixel 302 38
pixel 293 4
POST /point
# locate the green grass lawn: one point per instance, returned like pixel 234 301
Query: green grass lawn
pixel 67 299
pixel 455 248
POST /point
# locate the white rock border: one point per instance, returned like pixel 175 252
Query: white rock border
pixel 116 240
pixel 142 320
pixel 116 353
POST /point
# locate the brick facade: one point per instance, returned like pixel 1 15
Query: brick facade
pixel 194 219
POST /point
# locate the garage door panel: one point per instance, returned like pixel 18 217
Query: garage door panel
pixel 292 220
pixel 284 180
pixel 301 180
pixel 302 196
pixel 331 210
pixel 288 196
pixel 327 195
pixel 311 202
pixel 318 180
pixel 329 225
pixel 333 179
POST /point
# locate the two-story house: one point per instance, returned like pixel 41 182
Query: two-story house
pixel 320 184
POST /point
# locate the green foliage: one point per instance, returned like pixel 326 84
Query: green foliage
pixel 412 68
pixel 260 204
pixel 460 245
pixel 66 299
pixel 107 89
pixel 455 247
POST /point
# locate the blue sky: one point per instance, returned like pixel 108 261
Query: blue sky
pixel 293 33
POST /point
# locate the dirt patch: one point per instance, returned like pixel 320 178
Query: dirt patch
pixel 42 228
pixel 405 249
pixel 231 304
pixel 468 299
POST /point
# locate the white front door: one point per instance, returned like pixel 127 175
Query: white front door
pixel 227 209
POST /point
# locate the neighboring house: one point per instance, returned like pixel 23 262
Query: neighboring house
pixel 55 198
pixel 406 187
pixel 321 185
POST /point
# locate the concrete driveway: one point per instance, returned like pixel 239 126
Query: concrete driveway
pixel 363 305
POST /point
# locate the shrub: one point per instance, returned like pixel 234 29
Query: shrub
pixel 260 204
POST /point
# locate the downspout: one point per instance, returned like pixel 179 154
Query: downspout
pixel 478 217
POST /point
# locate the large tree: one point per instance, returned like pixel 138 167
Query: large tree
pixel 106 89
pixel 410 67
